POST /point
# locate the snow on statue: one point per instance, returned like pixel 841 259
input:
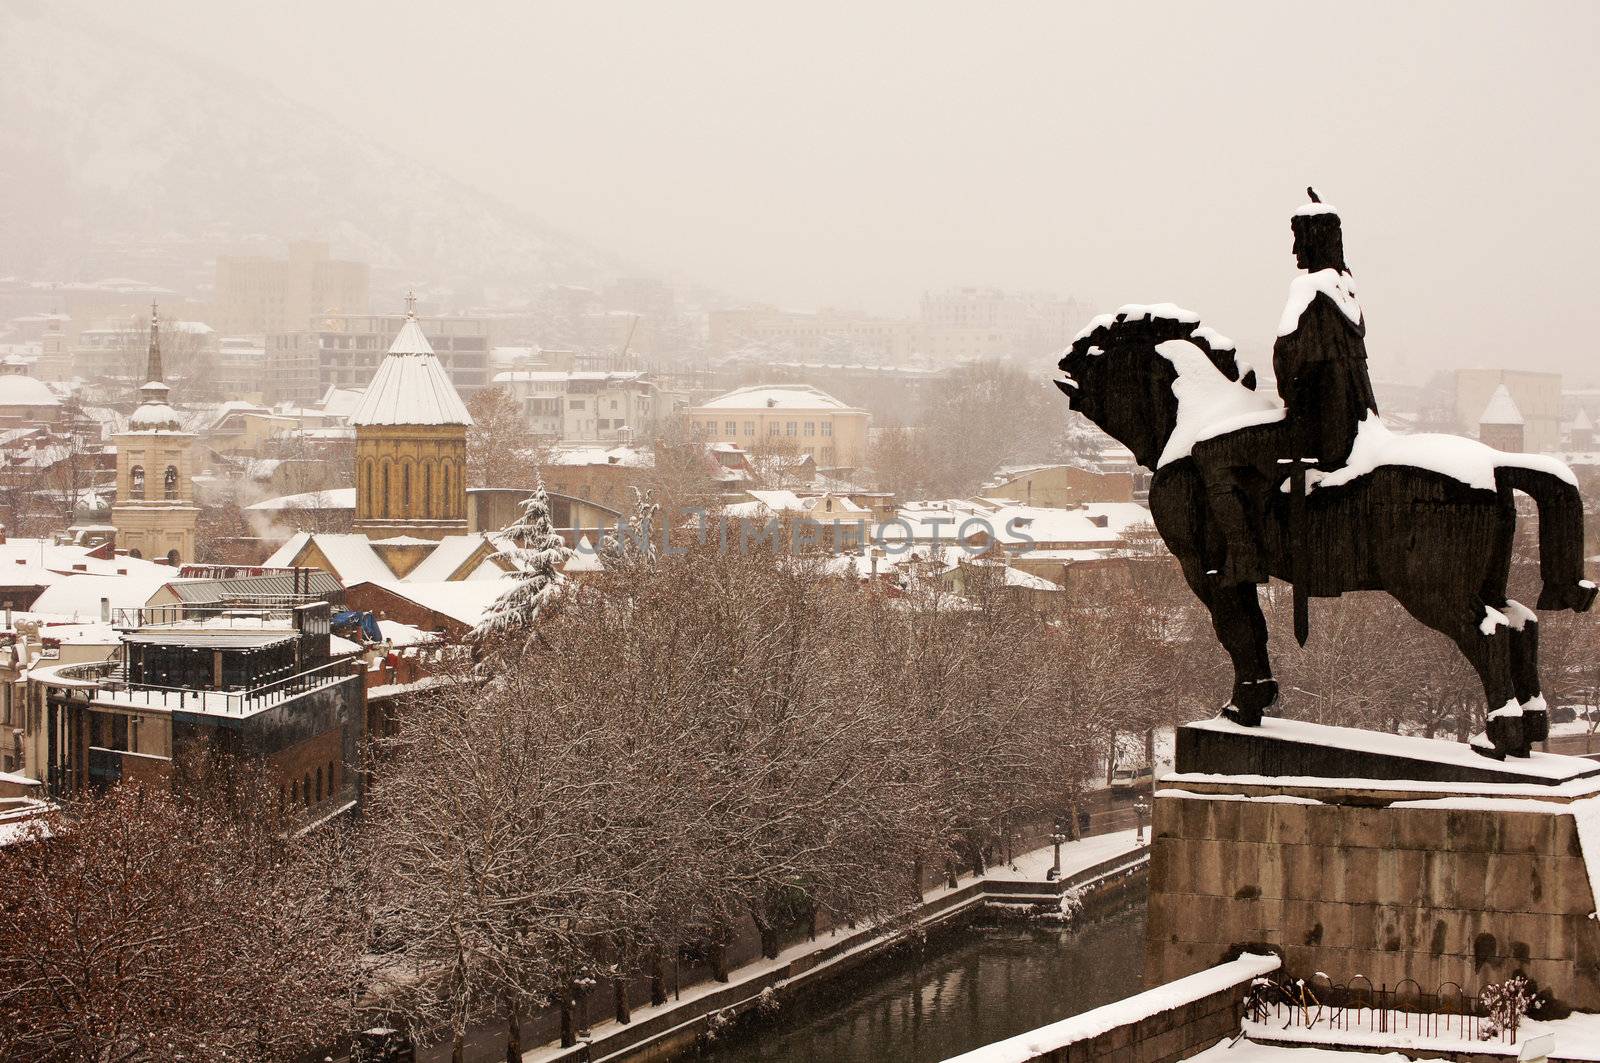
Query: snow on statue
pixel 1311 486
pixel 538 553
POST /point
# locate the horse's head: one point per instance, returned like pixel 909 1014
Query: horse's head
pixel 1114 375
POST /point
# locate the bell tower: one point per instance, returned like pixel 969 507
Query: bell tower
pixel 411 444
pixel 155 513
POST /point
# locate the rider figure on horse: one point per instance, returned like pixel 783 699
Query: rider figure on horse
pixel 1320 361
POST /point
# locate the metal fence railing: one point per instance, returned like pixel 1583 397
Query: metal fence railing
pixel 1449 1012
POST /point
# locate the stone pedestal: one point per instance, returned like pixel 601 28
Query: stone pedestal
pixel 1346 866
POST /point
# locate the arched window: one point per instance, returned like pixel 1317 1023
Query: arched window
pixel 305 790
pixel 427 489
pixel 319 784
pixel 332 789
pixel 136 481
pixel 385 512
pixel 169 485
pixel 135 554
pixel 367 508
pixel 445 509
pixel 405 489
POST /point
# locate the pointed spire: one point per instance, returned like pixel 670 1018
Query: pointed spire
pixel 153 365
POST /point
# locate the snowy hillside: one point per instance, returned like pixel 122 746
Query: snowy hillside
pixel 110 141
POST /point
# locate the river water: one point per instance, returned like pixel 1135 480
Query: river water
pixel 962 989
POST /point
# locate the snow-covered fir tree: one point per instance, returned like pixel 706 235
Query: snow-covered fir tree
pixel 634 541
pixel 539 554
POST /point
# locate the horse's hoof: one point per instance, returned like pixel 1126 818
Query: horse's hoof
pixel 1255 695
pixel 1508 735
pixel 1242 715
pixel 1484 748
pixel 1575 596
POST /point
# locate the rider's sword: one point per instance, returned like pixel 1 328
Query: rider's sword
pixel 1298 547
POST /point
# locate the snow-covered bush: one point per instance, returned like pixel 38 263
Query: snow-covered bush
pixel 1508 1003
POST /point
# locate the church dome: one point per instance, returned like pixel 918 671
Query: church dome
pixel 411 386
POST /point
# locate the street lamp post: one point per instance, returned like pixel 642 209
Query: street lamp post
pixel 1141 809
pixel 1056 838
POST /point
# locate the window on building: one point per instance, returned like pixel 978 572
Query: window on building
pixel 305 790
pixel 405 489
pixel 136 481
pixel 811 428
pixel 427 490
pixel 827 428
pixel 731 428
pixel 319 784
pixel 789 428
pixel 576 404
pixel 772 428
pixel 749 428
pixel 385 490
pixel 332 789
pixel 169 483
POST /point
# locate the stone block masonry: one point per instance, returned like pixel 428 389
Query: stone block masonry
pixel 1372 879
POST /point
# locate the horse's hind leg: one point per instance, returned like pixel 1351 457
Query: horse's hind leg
pixel 1487 646
pixel 1525 670
pixel 1483 634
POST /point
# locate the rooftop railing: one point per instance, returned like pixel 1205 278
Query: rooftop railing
pixel 109 679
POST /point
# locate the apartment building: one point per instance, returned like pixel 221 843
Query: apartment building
pixel 256 294
pixel 791 417
pixel 585 406
pixel 343 351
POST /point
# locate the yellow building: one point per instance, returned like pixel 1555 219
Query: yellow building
pixel 411 444
pixel 793 417
pixel 155 513
pixel 1059 486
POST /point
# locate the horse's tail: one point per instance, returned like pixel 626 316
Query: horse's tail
pixel 1560 535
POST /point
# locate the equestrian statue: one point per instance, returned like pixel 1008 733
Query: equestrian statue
pixel 1310 486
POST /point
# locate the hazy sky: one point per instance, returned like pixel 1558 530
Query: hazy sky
pixel 858 153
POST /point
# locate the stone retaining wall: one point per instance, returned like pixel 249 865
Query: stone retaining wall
pixel 1163 1025
pixel 1470 893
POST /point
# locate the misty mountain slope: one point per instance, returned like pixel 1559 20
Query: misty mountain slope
pixel 110 139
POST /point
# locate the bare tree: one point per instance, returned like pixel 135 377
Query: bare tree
pixel 154 927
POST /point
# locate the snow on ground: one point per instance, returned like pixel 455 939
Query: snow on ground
pixel 1075 857
pixel 1436 750
pixel 1248 1051
pixel 1577 1037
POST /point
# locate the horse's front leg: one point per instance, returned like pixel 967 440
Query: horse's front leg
pixel 1242 629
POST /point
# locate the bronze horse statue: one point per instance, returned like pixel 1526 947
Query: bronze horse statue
pixel 1427 518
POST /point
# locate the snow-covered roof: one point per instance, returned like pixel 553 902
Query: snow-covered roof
pixel 462 600
pixel 155 417
pixel 351 555
pixel 452 552
pixel 775 396
pixel 411 386
pixel 334 498
pixel 27 391
pixel 354 557
pixel 79 595
pixel 1502 408
pixel 1581 422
